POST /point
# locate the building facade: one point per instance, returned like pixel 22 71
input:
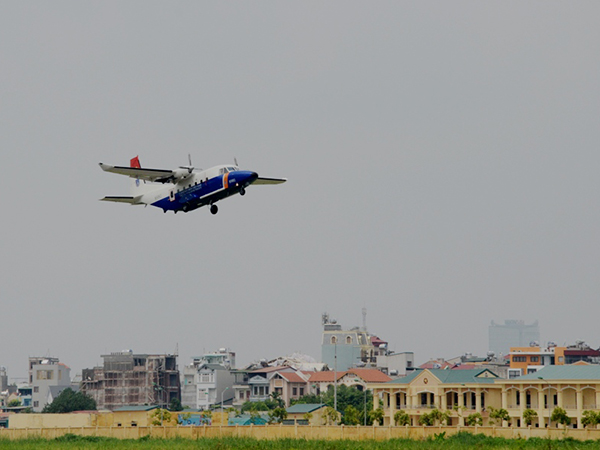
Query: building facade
pixel 45 372
pixel 128 379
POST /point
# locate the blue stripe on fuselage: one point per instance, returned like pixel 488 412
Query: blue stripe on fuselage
pixel 207 192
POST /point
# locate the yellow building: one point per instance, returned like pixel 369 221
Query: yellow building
pixel 458 392
pixel 575 388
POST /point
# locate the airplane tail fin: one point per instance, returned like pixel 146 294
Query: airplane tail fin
pixel 138 187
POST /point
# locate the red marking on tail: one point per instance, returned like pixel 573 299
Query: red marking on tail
pixel 135 162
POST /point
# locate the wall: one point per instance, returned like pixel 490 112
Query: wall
pixel 298 432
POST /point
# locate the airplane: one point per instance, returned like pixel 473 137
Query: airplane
pixel 186 188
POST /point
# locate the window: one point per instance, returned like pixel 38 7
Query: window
pixel 44 375
pixel 301 392
pixel 36 404
pixel 333 339
pixel 519 358
pixel 36 389
pixel 294 391
pixel 535 359
pixel 348 339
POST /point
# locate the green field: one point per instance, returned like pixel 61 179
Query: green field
pixel 459 441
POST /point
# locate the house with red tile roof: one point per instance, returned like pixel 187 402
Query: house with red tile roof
pixel 320 381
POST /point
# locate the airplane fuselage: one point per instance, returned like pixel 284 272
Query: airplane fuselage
pixel 200 189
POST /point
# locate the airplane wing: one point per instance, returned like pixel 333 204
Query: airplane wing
pixel 263 180
pixel 158 175
pixel 130 200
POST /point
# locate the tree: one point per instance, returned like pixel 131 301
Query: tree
pixel 528 416
pixel 351 416
pixel 439 416
pixel 474 419
pixel 330 416
pixel 401 418
pixel 560 415
pixel 377 415
pixel 256 406
pixel 14 403
pixel 309 398
pixel 307 416
pixel 175 405
pixel 590 418
pixel 160 416
pixel 426 420
pixel 276 397
pixel 498 415
pixel 278 415
pixel 69 401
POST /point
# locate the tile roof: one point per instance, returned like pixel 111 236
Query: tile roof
pixel 568 372
pixel 137 408
pixel 367 375
pixel 303 408
pixel 292 377
pixel 370 375
pixel 450 376
pixel 270 369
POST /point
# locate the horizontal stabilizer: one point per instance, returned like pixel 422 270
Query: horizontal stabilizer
pixel 262 180
pixel 130 200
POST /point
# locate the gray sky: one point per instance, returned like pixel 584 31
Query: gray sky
pixel 442 160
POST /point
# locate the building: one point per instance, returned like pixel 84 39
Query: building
pixel 513 333
pixel 581 352
pixel 459 392
pixel 127 379
pixel 45 372
pixel 357 378
pixel 305 414
pixel 575 388
pixel 208 378
pixel 526 360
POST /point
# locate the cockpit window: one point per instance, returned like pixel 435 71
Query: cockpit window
pixel 231 169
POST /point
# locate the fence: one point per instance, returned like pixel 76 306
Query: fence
pixel 298 432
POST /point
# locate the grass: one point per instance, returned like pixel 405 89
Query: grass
pixel 459 441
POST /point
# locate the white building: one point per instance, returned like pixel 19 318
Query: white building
pixel 45 372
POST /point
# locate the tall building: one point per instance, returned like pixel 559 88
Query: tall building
pixel 128 379
pixel 513 333
pixel 44 373
pixel 342 349
pixel 208 379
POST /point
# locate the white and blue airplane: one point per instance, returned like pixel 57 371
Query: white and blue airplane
pixel 184 189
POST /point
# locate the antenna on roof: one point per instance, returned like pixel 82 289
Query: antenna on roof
pixel 364 313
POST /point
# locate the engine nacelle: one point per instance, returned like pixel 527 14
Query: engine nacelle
pixel 180 174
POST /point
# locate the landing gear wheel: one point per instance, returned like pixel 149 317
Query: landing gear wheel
pixel 214 209
pixel 242 191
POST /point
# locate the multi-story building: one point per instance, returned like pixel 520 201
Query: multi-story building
pixel 45 372
pixel 526 360
pixel 512 333
pixel 128 379
pixel 207 377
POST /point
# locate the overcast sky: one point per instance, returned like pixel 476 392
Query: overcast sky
pixel 442 160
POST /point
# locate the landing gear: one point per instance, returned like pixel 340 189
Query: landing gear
pixel 242 191
pixel 214 209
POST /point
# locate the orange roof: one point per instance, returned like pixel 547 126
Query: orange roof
pixel 370 375
pixel 367 375
pixel 292 377
pixel 324 376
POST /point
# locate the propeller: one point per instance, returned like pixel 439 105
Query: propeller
pixel 235 161
pixel 189 167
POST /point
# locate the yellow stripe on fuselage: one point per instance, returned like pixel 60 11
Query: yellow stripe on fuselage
pixel 226 180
